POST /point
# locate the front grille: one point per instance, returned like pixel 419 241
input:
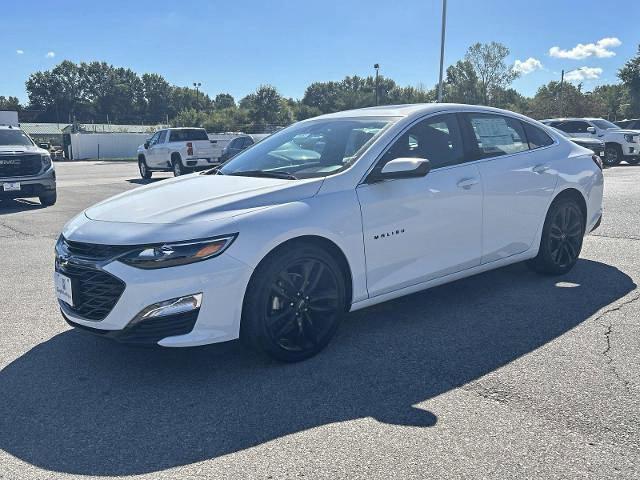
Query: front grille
pixel 147 332
pixel 95 292
pixel 20 165
pixel 95 251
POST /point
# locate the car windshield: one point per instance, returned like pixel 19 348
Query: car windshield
pixel 564 134
pixel 605 124
pixel 309 149
pixel 14 137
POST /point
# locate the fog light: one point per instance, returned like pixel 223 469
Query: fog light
pixel 175 306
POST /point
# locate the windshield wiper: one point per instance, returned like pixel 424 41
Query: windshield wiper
pixel 263 173
pixel 213 171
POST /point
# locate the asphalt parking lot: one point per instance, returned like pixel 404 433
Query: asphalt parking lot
pixel 503 375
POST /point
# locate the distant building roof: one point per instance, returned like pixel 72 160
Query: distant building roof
pixel 44 128
pixel 113 128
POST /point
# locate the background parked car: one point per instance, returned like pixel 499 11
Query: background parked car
pixel 619 144
pixel 593 144
pixel 235 146
pixel 181 150
pixel 633 124
pixel 26 170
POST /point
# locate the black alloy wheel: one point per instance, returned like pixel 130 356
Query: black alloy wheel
pixel 562 237
pixel 295 303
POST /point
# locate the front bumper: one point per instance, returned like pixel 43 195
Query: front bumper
pixel 32 186
pixel 630 149
pixel 222 281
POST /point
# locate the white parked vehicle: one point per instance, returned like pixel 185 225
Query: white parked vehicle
pixel 619 144
pixel 180 150
pixel 329 215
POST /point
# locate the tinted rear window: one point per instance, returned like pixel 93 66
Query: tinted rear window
pixel 188 135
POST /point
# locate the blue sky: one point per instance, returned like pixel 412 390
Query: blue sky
pixel 234 46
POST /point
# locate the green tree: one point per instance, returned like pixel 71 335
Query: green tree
pixel 266 107
pixel 224 100
pixel 630 76
pixel 157 93
pixel 488 62
pixel 10 103
pixel 546 102
pixel 461 84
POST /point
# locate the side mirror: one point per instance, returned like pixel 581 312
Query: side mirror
pixel 146 144
pixel 591 130
pixel 404 168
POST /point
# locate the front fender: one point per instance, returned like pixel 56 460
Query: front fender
pixel 335 217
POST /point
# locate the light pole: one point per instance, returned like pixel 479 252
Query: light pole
pixel 377 67
pixel 444 25
pixel 197 86
pixel 561 99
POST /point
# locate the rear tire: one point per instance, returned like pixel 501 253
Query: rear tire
pixel 561 240
pixel 177 167
pixel 612 155
pixel 294 303
pixel 48 199
pixel 144 169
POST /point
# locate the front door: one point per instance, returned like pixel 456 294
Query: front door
pixel 419 229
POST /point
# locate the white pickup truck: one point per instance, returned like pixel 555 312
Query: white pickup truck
pixel 619 144
pixel 177 150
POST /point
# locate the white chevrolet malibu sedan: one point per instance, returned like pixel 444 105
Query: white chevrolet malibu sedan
pixel 329 215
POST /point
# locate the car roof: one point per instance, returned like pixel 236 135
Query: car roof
pixel 415 109
pixel 571 119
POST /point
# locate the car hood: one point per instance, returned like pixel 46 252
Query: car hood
pixel 586 141
pixel 622 130
pixel 200 198
pixel 19 149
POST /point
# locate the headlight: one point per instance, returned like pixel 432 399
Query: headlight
pixel 46 162
pixel 630 138
pixel 181 253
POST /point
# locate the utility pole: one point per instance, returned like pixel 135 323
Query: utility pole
pixel 560 100
pixel 377 67
pixel 197 86
pixel 444 25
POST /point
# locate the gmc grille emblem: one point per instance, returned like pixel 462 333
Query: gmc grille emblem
pixel 9 162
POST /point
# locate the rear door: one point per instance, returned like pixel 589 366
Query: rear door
pixel 517 179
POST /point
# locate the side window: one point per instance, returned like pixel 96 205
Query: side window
pixel 247 142
pixel 573 126
pixel 163 136
pixel 536 137
pixel 154 139
pixel 438 139
pixel 497 135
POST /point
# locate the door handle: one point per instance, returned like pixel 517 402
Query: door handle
pixel 541 168
pixel 467 183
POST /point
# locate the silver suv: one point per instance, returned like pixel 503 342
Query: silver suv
pixel 26 170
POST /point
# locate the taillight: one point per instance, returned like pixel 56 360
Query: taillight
pixel 189 148
pixel 597 160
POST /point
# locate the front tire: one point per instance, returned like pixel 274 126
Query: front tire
pixel 294 303
pixel 612 155
pixel 561 240
pixel 633 161
pixel 48 199
pixel 144 169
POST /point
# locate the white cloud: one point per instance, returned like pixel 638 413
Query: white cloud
pixel 583 73
pixel 50 54
pixel 529 65
pixel 19 52
pixel 600 49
